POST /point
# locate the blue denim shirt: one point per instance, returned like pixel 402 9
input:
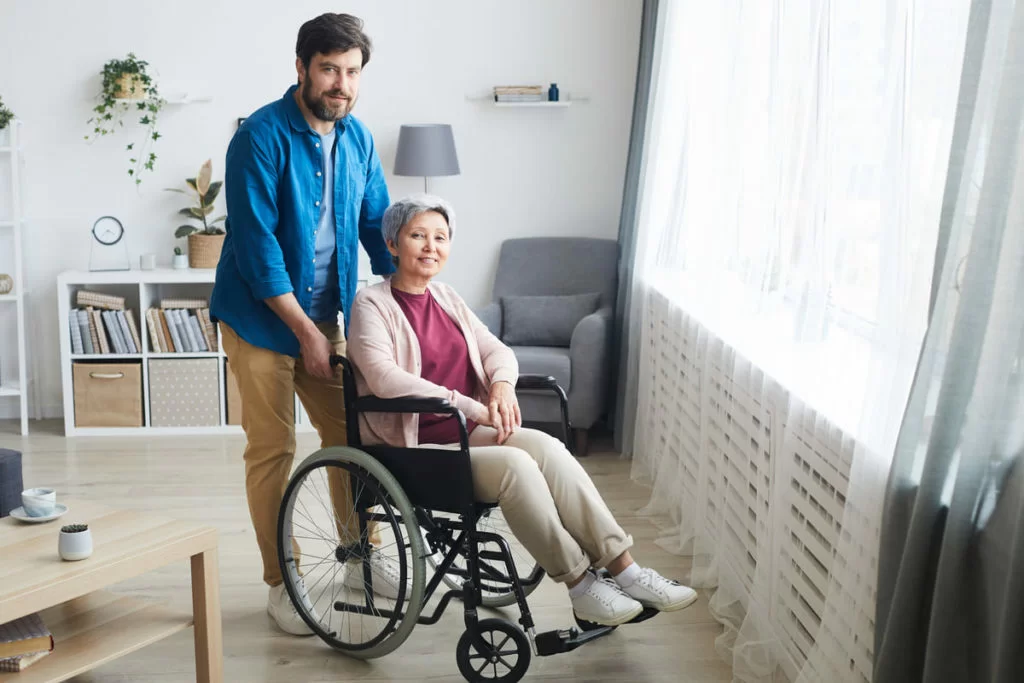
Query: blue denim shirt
pixel 273 190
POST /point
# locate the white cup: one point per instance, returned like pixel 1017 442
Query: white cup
pixel 39 502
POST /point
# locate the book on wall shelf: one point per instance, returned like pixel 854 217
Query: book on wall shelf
pixel 519 93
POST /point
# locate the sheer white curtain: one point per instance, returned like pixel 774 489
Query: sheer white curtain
pixel 790 200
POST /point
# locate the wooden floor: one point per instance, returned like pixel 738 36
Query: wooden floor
pixel 201 478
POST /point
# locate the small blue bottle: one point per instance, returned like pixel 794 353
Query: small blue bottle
pixel 553 93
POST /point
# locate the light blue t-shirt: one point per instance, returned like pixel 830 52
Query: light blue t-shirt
pixel 326 296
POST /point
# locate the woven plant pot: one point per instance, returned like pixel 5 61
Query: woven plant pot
pixel 125 83
pixel 204 250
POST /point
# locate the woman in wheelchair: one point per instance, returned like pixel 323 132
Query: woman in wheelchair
pixel 410 336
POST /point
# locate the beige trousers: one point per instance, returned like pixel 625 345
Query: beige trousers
pixel 548 499
pixel 267 382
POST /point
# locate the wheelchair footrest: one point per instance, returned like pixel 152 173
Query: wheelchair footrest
pixel 565 640
pixel 644 616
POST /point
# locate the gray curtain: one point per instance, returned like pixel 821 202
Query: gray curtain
pixel 625 316
pixel 950 604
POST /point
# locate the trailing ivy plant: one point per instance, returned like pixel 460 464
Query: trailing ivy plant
pixel 6 115
pixel 141 97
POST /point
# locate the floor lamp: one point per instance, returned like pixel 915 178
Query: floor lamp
pixel 426 149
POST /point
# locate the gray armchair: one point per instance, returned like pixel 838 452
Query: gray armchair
pixel 553 304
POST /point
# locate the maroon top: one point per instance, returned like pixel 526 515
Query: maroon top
pixel 445 360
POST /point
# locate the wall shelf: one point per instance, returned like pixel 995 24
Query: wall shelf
pixel 566 101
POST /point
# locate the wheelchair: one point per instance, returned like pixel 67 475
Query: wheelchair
pixel 412 507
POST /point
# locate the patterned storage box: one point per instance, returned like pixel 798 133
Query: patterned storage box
pixel 184 392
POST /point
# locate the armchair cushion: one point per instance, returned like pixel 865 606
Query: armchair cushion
pixel 545 360
pixel 544 320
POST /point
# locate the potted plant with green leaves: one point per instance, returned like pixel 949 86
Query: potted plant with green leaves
pixel 180 261
pixel 128 87
pixel 6 117
pixel 74 542
pixel 204 241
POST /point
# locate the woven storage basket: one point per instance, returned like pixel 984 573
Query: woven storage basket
pixel 204 250
pixel 125 83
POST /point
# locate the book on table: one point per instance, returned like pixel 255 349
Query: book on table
pixel 23 636
pixel 21 662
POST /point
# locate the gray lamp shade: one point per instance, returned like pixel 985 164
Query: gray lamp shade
pixel 426 149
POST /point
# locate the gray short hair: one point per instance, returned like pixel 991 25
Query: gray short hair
pixel 407 208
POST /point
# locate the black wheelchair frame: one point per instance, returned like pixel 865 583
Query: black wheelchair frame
pixel 437 480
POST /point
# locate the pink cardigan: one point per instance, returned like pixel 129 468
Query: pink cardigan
pixel 385 354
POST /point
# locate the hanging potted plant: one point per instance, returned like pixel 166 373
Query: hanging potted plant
pixel 6 117
pixel 204 241
pixel 128 87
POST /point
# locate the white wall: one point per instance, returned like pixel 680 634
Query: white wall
pixel 524 171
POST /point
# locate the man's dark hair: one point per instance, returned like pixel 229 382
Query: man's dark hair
pixel 331 33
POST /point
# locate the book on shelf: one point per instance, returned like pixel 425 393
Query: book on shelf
pixel 96 329
pixel 182 302
pixel 76 334
pixel 101 332
pixel 181 330
pixel 20 662
pixel 24 636
pixel 518 90
pixel 526 97
pixel 85 298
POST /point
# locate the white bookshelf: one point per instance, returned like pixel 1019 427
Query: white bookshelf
pixel 13 358
pixel 141 289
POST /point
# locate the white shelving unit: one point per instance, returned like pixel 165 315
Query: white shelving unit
pixel 142 289
pixel 13 366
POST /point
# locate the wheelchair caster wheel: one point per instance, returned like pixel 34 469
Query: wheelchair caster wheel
pixel 496 651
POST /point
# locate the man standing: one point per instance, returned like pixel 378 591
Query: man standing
pixel 304 186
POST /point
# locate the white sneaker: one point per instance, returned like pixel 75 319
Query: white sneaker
pixel 651 589
pixel 280 607
pixel 383 572
pixel 604 603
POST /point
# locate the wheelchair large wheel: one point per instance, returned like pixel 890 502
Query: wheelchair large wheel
pixel 496 589
pixel 326 552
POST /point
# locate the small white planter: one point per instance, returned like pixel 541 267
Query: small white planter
pixel 180 261
pixel 76 545
pixel 5 135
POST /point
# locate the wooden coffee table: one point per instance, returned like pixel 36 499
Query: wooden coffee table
pixel 92 626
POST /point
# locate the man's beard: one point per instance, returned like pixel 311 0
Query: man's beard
pixel 321 109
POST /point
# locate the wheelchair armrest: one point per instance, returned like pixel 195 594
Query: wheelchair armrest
pixel 415 404
pixel 405 404
pixel 549 383
pixel 536 382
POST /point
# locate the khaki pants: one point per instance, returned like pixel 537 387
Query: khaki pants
pixel 266 384
pixel 548 499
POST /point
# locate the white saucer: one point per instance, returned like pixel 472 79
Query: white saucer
pixel 59 511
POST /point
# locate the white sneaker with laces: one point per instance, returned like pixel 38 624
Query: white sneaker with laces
pixel 651 589
pixel 604 603
pixel 383 573
pixel 281 609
